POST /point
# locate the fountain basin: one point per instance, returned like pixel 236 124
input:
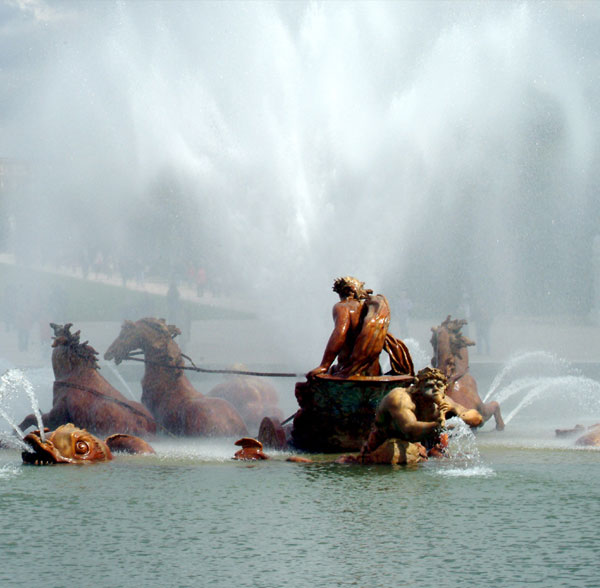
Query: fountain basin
pixel 336 414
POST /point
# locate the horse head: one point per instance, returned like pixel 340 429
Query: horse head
pixel 149 335
pixel 449 347
pixel 68 353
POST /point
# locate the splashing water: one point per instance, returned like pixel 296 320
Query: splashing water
pixel 462 453
pixel 531 360
pixel 11 441
pixel 11 382
pixel 10 421
pixel 196 450
pixel 5 390
pixel 9 471
pixel 580 394
pixel 549 386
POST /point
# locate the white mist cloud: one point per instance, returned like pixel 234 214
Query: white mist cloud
pixel 407 143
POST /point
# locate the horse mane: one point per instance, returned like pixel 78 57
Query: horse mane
pixel 454 328
pixel 165 333
pixel 161 327
pixel 63 337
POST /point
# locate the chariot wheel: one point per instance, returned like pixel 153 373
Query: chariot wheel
pixel 272 434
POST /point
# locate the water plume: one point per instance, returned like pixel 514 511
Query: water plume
pixel 235 136
pixel 12 441
pixel 12 382
pixel 121 379
pixel 568 397
pixel 542 362
pixel 12 423
pixel 462 456
pixel 547 386
pixel 196 450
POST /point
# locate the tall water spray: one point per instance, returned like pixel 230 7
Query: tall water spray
pixel 427 146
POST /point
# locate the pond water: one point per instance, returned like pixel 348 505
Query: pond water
pixel 508 508
pixel 496 513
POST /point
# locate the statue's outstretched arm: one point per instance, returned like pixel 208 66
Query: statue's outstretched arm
pixel 341 319
pixel 449 408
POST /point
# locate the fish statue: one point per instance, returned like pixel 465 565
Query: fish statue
pixel 69 444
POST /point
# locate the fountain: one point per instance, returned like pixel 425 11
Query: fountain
pixel 549 386
pixel 120 378
pixel 435 147
pixel 11 383
pixel 540 362
pixel 463 455
pixel 328 153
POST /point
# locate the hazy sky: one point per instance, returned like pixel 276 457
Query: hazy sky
pixel 436 147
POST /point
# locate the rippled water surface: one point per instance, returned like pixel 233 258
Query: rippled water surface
pixel 191 516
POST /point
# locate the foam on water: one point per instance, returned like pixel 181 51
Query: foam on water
pixel 471 472
pixel 197 450
pixel 9 471
pixel 462 454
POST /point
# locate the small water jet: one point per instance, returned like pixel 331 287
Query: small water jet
pixel 527 361
pixel 119 377
pixel 10 441
pixel 548 384
pixel 580 395
pixel 11 382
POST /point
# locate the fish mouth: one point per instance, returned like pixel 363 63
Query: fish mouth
pixel 44 452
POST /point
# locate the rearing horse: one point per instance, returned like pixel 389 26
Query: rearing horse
pixel 83 397
pixel 166 391
pixel 450 355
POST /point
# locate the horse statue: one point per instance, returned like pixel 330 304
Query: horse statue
pixel 450 355
pixel 252 397
pixel 166 391
pixel 83 397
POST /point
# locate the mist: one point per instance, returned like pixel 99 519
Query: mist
pixel 446 149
